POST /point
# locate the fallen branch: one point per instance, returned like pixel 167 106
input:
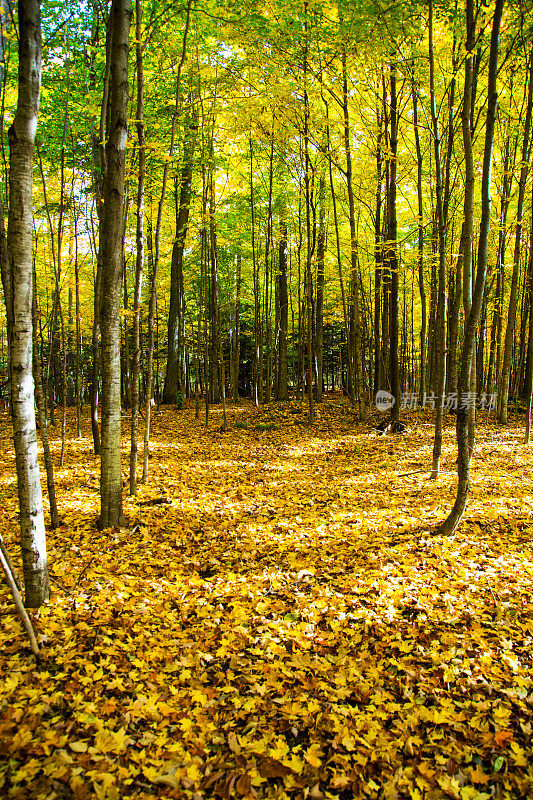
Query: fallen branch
pixel 84 570
pixel 18 603
pixel 156 501
pixel 54 580
pixel 492 593
pixel 13 571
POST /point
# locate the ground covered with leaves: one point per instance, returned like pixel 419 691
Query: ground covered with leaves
pixel 282 622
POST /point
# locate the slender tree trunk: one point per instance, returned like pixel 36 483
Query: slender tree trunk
pixel 112 266
pixel 175 322
pixel 358 367
pixel 339 265
pixel 99 173
pixel 319 313
pixel 19 248
pixel 421 281
pixel 268 242
pixel 467 230
pixel 309 243
pixel 235 342
pixel 139 261
pixel 463 440
pixel 78 321
pixel 392 250
pixel 529 370
pixel 440 338
pixel 282 382
pixel 257 343
pixel 40 402
pixel 59 267
pixel 513 297
pixel 378 257
pixel 153 290
pixel 4 261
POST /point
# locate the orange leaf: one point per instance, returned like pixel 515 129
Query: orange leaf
pixel 503 737
pixel 478 776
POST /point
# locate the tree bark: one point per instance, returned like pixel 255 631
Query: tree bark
pixel 463 440
pixel 19 247
pixel 319 311
pixel 357 371
pixel 513 297
pixel 392 249
pixel 153 290
pixel 172 378
pixel 112 266
pixel 282 381
pixel 421 281
pixel 440 338
pixel 139 258
pixel 40 402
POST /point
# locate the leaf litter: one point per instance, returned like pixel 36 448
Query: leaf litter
pixel 277 619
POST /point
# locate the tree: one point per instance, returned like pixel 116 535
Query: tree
pixel 19 248
pixel 112 265
pixel 463 413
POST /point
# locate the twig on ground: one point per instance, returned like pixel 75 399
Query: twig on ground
pixel 19 604
pixel 13 571
pixel 492 593
pixel 156 501
pixel 84 570
pixel 54 580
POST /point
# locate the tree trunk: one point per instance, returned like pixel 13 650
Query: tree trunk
pixel 139 261
pixel 529 370
pixel 99 174
pixel 257 341
pixel 392 250
pixel 155 267
pixel 40 401
pixel 356 331
pixel 440 338
pixel 513 297
pixel 236 333
pixel 112 266
pixel 421 281
pixel 463 439
pixel 19 247
pixel 282 382
pixel 319 312
pixel 172 378
pixel 378 257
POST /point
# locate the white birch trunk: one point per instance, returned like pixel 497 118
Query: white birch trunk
pixel 19 244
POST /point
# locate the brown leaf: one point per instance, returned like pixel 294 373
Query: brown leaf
pixel 244 784
pixel 271 768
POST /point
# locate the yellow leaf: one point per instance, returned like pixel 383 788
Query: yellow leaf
pixel 311 756
pixel 167 780
pixel 108 741
pixel 78 747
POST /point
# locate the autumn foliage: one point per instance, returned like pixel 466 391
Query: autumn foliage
pixel 277 619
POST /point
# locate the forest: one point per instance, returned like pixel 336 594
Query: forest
pixel 266 390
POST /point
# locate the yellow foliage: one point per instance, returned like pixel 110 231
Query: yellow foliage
pixel 280 628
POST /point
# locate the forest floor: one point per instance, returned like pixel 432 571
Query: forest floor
pixel 285 625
